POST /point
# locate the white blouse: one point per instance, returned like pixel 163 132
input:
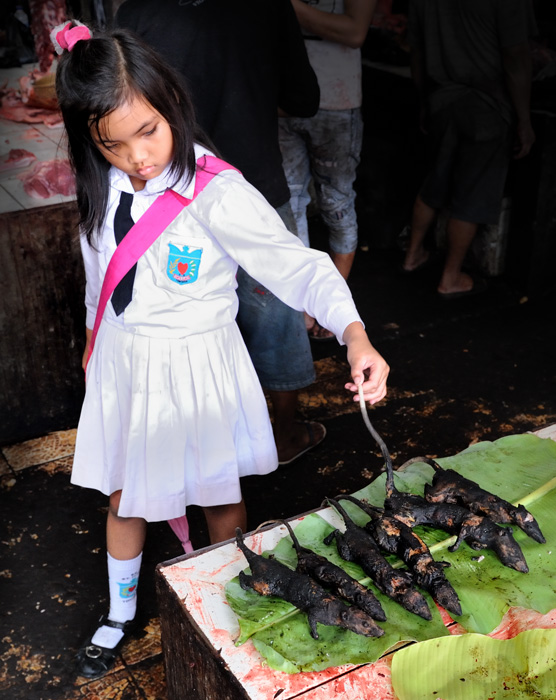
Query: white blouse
pixel 185 283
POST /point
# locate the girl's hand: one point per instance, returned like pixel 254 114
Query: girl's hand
pixel 364 359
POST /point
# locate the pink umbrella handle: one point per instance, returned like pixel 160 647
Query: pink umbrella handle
pixel 180 526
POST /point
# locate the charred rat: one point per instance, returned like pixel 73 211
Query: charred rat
pixel 271 578
pixel 450 487
pixel 356 544
pixel 477 531
pixel 395 537
pixel 328 574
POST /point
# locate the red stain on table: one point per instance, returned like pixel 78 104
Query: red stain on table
pixel 517 620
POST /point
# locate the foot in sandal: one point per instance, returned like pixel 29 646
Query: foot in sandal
pixel 307 435
pixel 318 333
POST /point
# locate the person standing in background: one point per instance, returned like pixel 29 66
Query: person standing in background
pixel 243 61
pixel 471 64
pixel 326 148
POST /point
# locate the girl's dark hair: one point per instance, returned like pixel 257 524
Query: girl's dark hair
pixel 95 78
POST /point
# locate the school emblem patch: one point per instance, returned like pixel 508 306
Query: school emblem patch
pixel 183 264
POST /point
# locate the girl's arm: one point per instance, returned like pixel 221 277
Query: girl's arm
pixel 88 336
pixel 92 292
pixel 93 281
pixel 349 28
pixel 363 357
pixel 252 234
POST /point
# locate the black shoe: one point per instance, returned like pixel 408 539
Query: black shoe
pixel 94 661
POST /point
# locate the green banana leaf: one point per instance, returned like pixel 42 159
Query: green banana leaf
pixel 473 666
pixel 513 467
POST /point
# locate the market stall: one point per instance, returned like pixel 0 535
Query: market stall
pixel 201 628
pixel 41 309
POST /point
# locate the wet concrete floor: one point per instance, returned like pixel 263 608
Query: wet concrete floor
pixel 465 371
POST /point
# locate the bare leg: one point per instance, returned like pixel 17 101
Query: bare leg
pixel 291 436
pixel 422 219
pixel 284 407
pixel 343 262
pixel 125 537
pixel 223 520
pixel 460 237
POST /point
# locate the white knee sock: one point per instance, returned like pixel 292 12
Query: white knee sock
pixel 123 577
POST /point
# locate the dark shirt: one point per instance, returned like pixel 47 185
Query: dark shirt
pixel 241 59
pixel 462 41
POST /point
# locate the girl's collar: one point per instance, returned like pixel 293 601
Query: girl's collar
pixel 120 181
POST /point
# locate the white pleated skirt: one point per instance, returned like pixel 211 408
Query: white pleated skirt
pixel 171 422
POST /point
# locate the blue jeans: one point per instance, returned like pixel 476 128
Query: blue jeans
pixel 274 333
pixel 325 148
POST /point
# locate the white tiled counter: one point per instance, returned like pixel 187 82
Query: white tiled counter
pixel 46 143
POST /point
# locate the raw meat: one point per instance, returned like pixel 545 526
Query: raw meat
pixel 16 158
pixel 49 178
pixel 16 109
pixel 45 15
pixel 31 115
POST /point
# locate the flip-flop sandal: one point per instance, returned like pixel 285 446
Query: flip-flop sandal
pixel 94 661
pixel 314 331
pixel 313 441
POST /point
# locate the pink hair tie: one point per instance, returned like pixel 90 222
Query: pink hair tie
pixel 65 36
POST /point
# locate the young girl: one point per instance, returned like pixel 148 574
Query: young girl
pixel 173 413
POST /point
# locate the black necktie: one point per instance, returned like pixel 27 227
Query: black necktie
pixel 122 223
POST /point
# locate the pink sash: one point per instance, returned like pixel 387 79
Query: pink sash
pixel 144 233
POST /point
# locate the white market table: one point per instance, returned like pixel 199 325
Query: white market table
pixel 199 629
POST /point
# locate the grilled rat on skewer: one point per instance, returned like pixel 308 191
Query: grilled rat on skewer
pixel 477 531
pixel 328 574
pixel 450 487
pixel 396 537
pixel 356 544
pixel 271 578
